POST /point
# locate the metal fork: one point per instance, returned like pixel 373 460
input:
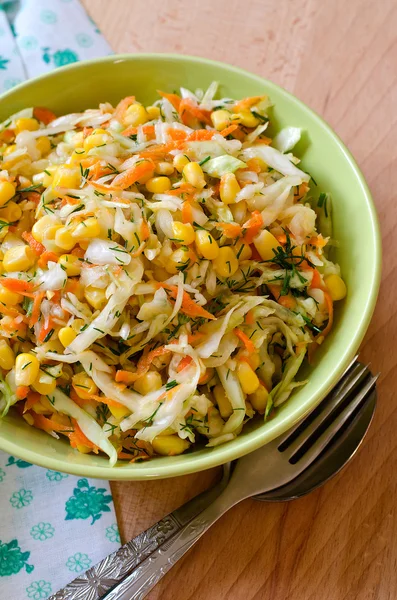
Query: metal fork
pixel 268 468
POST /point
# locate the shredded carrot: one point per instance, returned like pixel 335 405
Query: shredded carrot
pixel 316 280
pixel 148 130
pixel 42 422
pixel 185 362
pixel 47 257
pixel 230 230
pixel 249 318
pixel 126 178
pixel 228 130
pixel 10 311
pixel 174 99
pixel 34 317
pixel 32 197
pixel 108 401
pixel 187 106
pixel 245 339
pixel 200 135
pixel 79 252
pixel 77 438
pixel 144 231
pixel 189 307
pixel 246 103
pixel 301 191
pixel 32 399
pixel 68 200
pixel 87 131
pixel 282 239
pixel 17 285
pixel 36 246
pixel 176 134
pixel 22 391
pixel 45 115
pixel 184 188
pixel 187 213
pixel 122 107
pixel 125 377
pixel 46 330
pixel 253 226
pixel 205 377
pixel 288 301
pixel 253 165
pixel 317 241
pixel 160 150
pixel 193 338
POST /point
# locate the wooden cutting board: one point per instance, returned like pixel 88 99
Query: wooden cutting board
pixel 340 57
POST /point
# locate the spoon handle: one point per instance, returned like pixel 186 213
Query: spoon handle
pixel 139 583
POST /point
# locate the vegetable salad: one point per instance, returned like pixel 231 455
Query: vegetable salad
pixel 162 276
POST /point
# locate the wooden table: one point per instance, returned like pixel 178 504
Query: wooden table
pixel 340 57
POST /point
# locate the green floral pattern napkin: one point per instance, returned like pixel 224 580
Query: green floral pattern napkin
pixel 52 526
pixel 39 35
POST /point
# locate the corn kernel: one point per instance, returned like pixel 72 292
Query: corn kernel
pixel 194 175
pixel 49 176
pixel 243 251
pixel 19 258
pixel 246 118
pixel 7 191
pixel 183 233
pixel 77 156
pixel 7 358
pixel 180 258
pixel 11 213
pixel 221 119
pixel 265 243
pixel 180 161
pixel 119 412
pixel 41 226
pixel 135 115
pixel 259 398
pixel 66 335
pixel 229 188
pixel 10 149
pixel 206 246
pixel 77 324
pixel 158 185
pixel 94 140
pixel 223 402
pixel 248 378
pixel 153 112
pixel 164 168
pixel 71 264
pixel 44 384
pixel 43 145
pixel 9 298
pixel 226 263
pixel 89 228
pixel 95 297
pixel 26 124
pixel 336 287
pixel 63 238
pixel 169 445
pixel 78 139
pixel 150 382
pixel 67 176
pixel 26 368
pixel 84 386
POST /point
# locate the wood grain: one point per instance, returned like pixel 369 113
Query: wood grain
pixel 340 58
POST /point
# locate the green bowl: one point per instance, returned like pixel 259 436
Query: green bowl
pixel 84 85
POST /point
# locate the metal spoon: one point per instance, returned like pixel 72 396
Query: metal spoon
pixel 126 563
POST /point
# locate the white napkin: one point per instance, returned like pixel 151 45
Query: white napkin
pixel 52 526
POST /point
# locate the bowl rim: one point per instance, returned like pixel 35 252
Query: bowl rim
pixel 255 439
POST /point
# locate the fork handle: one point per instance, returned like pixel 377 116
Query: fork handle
pixel 140 581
